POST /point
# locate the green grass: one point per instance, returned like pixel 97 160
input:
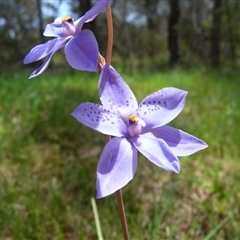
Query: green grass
pixel 48 161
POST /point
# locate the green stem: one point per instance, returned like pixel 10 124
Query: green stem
pixel 97 221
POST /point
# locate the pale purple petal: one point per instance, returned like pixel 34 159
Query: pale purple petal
pixel 181 143
pixel 100 119
pixel 42 50
pixel 158 152
pixel 57 46
pixel 92 13
pixel 115 93
pixel 117 166
pixel 78 22
pixel 82 51
pixel 54 30
pixel 161 107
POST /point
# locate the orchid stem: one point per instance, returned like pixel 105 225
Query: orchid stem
pixel 110 34
pixel 118 193
pixel 121 212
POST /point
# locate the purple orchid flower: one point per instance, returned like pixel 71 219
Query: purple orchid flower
pixel 81 47
pixel 141 128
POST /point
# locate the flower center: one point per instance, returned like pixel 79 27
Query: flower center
pixel 134 119
pixel 67 24
pixel 61 20
pixel 135 125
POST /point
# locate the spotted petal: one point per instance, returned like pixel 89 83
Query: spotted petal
pixel 158 152
pixel 117 166
pixel 161 107
pixel 82 51
pixel 180 143
pixel 115 93
pixel 100 119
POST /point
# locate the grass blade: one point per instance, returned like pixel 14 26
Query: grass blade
pixel 217 228
pixel 96 217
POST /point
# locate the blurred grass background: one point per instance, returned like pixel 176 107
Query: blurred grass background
pixel 48 160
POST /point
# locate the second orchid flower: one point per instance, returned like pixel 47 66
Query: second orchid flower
pixel 80 46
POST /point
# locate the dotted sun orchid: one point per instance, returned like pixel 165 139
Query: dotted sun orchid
pixel 135 127
pixel 81 47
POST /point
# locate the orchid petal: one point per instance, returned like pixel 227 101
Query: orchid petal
pixel 161 107
pixel 158 152
pixel 117 166
pixel 78 21
pixel 54 30
pixel 92 13
pixel 82 51
pixel 115 93
pixel 180 142
pixel 42 50
pixel 100 119
pixel 47 61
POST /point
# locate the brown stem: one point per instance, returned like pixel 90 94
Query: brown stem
pixel 110 34
pixel 121 212
pixel 118 193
